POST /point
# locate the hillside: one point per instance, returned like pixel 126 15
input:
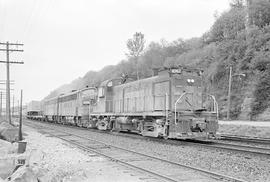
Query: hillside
pixel 240 38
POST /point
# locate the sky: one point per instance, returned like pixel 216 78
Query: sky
pixel 64 39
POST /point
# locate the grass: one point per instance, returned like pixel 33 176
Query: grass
pixel 253 131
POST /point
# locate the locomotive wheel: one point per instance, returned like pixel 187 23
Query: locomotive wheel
pixel 112 126
pixel 115 129
pixel 166 135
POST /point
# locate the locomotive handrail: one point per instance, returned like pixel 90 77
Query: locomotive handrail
pixel 215 104
pixel 213 97
pixel 175 104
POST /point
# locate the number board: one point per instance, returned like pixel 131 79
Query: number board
pixel 20 162
pixel 176 71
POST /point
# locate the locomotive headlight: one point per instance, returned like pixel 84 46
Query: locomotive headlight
pixel 190 80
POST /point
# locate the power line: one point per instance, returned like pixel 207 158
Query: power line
pixel 29 19
pixel 1 103
pixel 5 89
pixel 15 62
pixel 11 50
pixel 11 44
pixel 4 17
pixel 6 80
pixel 6 83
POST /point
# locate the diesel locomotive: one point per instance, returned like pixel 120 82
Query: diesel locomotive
pixel 170 104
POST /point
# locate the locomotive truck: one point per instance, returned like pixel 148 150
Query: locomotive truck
pixel 170 104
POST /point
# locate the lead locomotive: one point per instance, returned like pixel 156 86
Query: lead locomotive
pixel 170 104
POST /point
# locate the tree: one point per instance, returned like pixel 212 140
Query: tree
pixel 169 62
pixel 135 47
pixel 259 12
pixel 228 25
pixel 237 3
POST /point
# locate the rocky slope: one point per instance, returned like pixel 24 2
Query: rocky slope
pixel 233 41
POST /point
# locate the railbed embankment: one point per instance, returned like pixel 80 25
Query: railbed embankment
pixel 51 159
pixel 245 166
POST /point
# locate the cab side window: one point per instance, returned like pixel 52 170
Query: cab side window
pixel 101 92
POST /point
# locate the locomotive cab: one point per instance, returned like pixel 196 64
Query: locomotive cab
pixel 181 108
pixel 88 96
pixel 104 104
pixel 194 114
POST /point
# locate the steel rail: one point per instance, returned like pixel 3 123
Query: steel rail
pixel 116 160
pixel 213 144
pixel 239 148
pixel 213 174
pixel 245 138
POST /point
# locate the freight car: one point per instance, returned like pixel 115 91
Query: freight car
pixel 171 104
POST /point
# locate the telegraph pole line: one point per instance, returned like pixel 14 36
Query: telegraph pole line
pixel 12 115
pixel 2 83
pixel 5 89
pixel 229 94
pixel 5 81
pixel 8 50
pixel 20 126
pixel 0 104
pixel 8 117
pixel 229 91
pixel 18 109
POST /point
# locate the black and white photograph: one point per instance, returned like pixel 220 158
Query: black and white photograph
pixel 134 90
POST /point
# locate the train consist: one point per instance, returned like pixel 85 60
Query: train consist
pixel 170 104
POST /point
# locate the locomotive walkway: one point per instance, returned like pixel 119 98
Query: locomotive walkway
pixel 157 167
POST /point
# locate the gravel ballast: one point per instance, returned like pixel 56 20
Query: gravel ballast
pixel 244 166
pixel 52 159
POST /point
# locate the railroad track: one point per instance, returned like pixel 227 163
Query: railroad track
pixel 238 147
pixel 245 139
pixel 208 144
pixel 157 167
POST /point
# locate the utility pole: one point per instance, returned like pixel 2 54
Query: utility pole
pixel 20 126
pixel 0 104
pixel 18 110
pixel 12 115
pixel 229 91
pixel 8 50
pixel 229 94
